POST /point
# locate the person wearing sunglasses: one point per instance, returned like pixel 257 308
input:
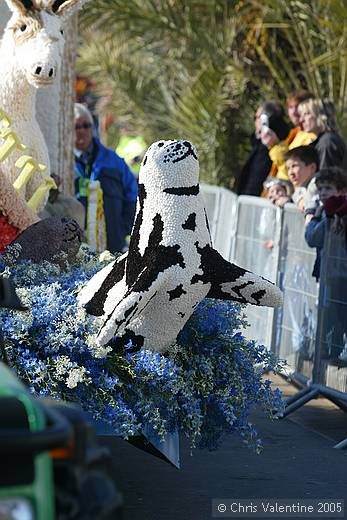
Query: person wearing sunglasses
pixel 95 162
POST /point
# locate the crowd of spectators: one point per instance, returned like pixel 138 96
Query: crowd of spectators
pixel 300 157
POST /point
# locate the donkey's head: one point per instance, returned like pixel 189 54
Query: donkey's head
pixel 33 39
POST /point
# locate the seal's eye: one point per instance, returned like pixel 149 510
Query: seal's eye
pixel 61 31
pixel 144 161
pixel 23 27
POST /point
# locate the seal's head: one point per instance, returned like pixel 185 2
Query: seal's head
pixel 170 164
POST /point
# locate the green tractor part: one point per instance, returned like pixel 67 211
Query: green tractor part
pixel 38 479
pixel 27 433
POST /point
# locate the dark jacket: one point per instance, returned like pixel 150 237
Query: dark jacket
pixel 314 236
pixel 331 150
pixel 255 170
pixel 119 188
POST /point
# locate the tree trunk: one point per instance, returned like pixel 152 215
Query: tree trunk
pixel 55 112
pixel 66 109
pixel 4 16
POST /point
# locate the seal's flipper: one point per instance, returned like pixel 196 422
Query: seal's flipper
pixel 231 282
pixel 94 294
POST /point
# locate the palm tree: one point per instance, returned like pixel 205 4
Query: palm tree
pixel 169 69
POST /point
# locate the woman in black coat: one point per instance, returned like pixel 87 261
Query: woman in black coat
pixel 319 117
pixel 258 165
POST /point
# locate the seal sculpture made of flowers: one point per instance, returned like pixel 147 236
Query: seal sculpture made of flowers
pixel 147 295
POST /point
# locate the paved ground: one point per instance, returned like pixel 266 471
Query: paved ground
pixel 298 461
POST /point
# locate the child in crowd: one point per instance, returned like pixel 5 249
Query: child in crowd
pixel 302 164
pixel 276 190
pixel 332 188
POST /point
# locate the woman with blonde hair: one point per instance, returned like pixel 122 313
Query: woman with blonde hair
pixel 318 116
pixel 296 136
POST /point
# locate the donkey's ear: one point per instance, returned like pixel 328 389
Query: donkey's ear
pixel 21 6
pixel 66 8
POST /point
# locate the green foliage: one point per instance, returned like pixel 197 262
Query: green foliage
pixel 168 69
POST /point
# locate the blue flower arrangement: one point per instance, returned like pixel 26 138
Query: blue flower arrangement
pixel 205 386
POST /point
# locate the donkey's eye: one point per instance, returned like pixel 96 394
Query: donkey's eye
pixel 61 31
pixel 23 27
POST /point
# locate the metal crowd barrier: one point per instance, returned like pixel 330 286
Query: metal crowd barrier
pixel 256 247
pixel 295 340
pixel 332 326
pixel 310 331
pixel 329 371
pixel 212 196
pixel 221 209
pixel 225 230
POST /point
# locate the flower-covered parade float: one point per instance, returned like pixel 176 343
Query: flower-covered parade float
pixel 148 342
pixel 149 339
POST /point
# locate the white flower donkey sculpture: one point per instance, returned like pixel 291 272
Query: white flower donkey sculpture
pixel 30 56
pixel 148 294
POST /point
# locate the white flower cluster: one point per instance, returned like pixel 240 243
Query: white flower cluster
pixel 97 351
pixel 106 256
pixel 66 368
pixel 77 375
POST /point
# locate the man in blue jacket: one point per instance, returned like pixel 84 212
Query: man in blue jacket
pixel 95 162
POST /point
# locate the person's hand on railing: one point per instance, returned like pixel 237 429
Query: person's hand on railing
pixel 301 205
pixel 268 244
pixel 281 201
